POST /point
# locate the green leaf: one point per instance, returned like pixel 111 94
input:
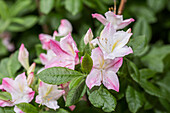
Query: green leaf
pixel 151 88
pixel 5 96
pixel 134 99
pixel 156 5
pixel 61 110
pixel 165 104
pixel 75 82
pixel 146 73
pixel 21 24
pixel 13 64
pixel 142 11
pixel 133 71
pixel 58 75
pixel 138 44
pixel 18 6
pixel 142 28
pixel 87 63
pixel 27 108
pixel 8 110
pixel 154 59
pixel 3 68
pixel 75 94
pixel 103 99
pixel 73 6
pixel 46 6
pixel 4 11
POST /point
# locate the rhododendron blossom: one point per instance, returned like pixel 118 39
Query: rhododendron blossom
pixel 104 71
pixel 66 53
pixel 116 20
pixel 48 95
pixel 112 43
pixel 19 90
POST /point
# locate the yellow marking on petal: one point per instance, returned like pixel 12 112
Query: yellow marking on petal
pixel 48 91
pixel 49 98
pixel 71 49
pixel 114 45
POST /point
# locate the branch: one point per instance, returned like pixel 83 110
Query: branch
pixel 121 7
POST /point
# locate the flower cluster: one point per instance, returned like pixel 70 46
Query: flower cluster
pixel 106 57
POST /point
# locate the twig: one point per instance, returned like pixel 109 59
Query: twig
pixel 44 26
pixel 121 7
pixel 114 6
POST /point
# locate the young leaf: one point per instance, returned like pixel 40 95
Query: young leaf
pixel 3 68
pixel 103 99
pixel 87 63
pixel 46 6
pixel 75 82
pixel 5 96
pixel 13 64
pixel 75 94
pixel 58 75
pixel 73 6
pixel 138 44
pixel 27 108
pixel 134 99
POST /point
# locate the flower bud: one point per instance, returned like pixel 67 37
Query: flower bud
pixel 31 68
pixel 88 37
pixel 30 78
pixel 23 57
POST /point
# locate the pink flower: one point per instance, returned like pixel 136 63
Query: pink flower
pixel 30 78
pixel 116 20
pixel 45 39
pixel 112 43
pixel 104 71
pixel 65 28
pixel 66 53
pixel 48 95
pixel 23 57
pixel 18 89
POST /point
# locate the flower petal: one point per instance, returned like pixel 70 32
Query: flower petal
pixel 110 80
pixel 23 57
pixel 68 45
pixel 113 65
pixel 45 40
pixel 125 23
pixel 4 103
pixel 65 28
pixel 94 78
pixel 100 18
pixel 17 110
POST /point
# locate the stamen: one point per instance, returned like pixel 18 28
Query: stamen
pixel 114 7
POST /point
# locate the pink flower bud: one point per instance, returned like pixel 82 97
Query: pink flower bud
pixel 30 78
pixel 88 37
pixel 23 57
pixel 31 68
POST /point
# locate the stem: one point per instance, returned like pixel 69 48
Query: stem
pixel 121 6
pixel 44 26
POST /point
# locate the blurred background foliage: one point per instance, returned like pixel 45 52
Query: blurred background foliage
pixel 21 21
